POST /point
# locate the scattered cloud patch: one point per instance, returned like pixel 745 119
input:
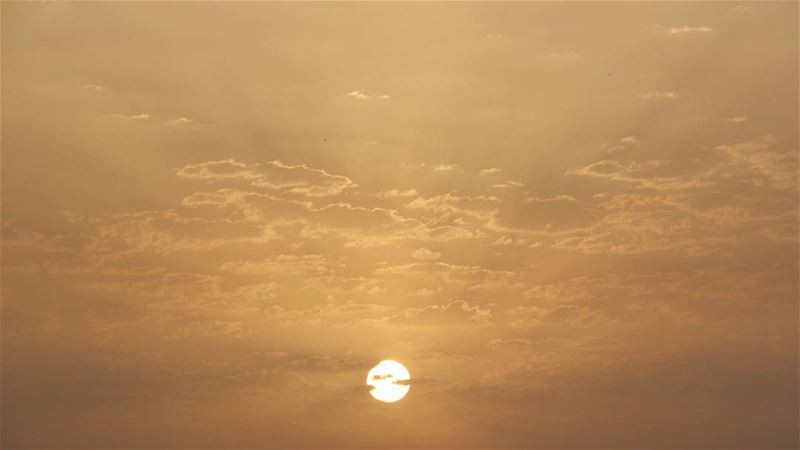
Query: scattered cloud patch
pixel 490 171
pixel 738 119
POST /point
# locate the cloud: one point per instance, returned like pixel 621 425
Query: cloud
pixel 685 29
pixel 560 315
pixel 644 173
pixel 444 168
pixel 395 193
pixel 180 121
pixel 426 292
pixel 508 184
pixel 94 87
pixel 555 198
pixel 274 175
pixel 490 171
pixel 659 95
pixel 130 116
pixel 211 328
pixel 425 254
pixel 514 345
pixel 567 54
pixel 467 278
pixel 518 242
pixel 281 264
pixel 362 95
pixel 629 140
pixel 766 165
pixel 737 119
pixel 455 312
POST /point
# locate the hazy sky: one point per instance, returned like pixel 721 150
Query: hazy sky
pixel 575 224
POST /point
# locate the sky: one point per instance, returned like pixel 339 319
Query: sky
pixel 576 224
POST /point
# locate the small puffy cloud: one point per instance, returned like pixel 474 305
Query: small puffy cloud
pixel 685 29
pixel 425 254
pixel 360 94
pixel 444 168
pixel 629 140
pixel 738 119
pixel 490 171
pixel 659 95
pixel 94 87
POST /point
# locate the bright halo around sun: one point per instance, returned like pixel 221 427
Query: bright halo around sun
pixel 390 381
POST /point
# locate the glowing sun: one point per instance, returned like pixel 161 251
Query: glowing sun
pixel 390 381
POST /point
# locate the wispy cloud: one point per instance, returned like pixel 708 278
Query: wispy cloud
pixel 395 193
pixel 180 121
pixel 130 116
pixel 739 119
pixel 675 31
pixel 275 175
pixel 490 171
pixel 567 54
pixel 94 87
pixel 629 140
pixel 444 168
pixel 656 95
pixel 425 254
pixel 555 198
pixel 508 184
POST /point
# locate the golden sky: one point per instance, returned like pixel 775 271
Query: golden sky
pixel 576 224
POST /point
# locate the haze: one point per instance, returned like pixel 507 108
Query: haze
pixel 575 223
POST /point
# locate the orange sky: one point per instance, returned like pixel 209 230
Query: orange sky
pixel 575 224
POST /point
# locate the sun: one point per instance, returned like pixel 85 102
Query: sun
pixel 390 381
